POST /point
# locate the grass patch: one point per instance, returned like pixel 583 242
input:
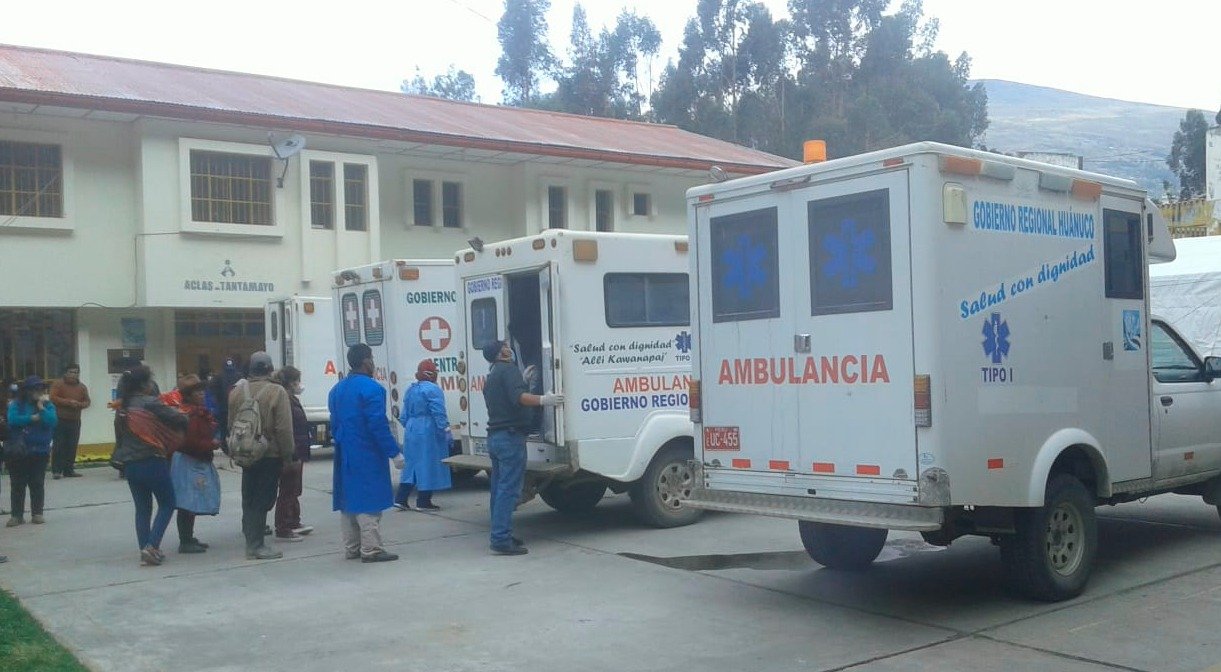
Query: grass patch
pixel 25 646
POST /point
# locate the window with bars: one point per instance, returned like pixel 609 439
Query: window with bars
pixel 356 197
pixel 36 343
pixel 230 188
pixel 322 194
pixel 604 210
pixel 421 195
pixel 451 205
pixel 31 180
pixel 557 207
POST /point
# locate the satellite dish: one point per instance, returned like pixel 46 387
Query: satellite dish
pixel 718 174
pixel 284 149
pixel 288 146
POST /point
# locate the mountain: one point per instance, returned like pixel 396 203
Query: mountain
pixel 1116 137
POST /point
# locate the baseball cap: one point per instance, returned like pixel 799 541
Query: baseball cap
pixel 260 362
pixel 491 351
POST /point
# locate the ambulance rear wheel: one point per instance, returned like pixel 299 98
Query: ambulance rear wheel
pixel 574 498
pixel 841 546
pixel 1050 557
pixel 658 496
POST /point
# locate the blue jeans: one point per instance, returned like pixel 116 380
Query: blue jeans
pixel 148 479
pixel 508 453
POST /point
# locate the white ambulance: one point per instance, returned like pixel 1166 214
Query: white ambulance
pixel 936 339
pixel 603 318
pixel 300 331
pixel 406 310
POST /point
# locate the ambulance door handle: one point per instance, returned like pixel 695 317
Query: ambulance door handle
pixel 1166 401
pixel 801 343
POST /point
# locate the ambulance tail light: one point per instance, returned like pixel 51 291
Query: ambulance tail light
pixel 693 402
pixel 409 273
pixel 308 307
pixel 924 400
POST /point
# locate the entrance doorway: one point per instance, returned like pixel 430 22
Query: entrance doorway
pixel 206 337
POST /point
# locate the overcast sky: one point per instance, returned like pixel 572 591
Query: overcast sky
pixel 1166 52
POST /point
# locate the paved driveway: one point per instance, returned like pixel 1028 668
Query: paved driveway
pixel 600 593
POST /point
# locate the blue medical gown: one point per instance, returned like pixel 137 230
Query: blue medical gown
pixel 363 446
pixel 427 438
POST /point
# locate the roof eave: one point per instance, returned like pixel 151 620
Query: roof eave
pixel 273 122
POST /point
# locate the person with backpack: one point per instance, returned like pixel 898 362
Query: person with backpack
pixel 363 447
pixel 147 432
pixel 260 441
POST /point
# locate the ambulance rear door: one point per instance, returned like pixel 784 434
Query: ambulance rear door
pixel 484 309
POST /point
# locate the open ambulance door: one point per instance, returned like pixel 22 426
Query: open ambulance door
pixel 484 311
pixel 549 300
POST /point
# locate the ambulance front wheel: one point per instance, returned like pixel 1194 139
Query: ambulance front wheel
pixel 659 495
pixel 841 546
pixel 1051 555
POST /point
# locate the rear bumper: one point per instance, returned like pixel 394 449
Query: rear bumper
pixel 839 512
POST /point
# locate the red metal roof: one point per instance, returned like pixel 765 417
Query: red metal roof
pixel 68 79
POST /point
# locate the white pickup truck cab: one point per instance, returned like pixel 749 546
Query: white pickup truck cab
pixel 936 339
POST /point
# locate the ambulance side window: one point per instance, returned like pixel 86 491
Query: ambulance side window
pixel 275 328
pixel 1123 257
pixel 646 299
pixel 745 266
pixel 484 328
pixel 850 253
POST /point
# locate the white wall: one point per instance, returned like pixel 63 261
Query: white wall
pixel 94 262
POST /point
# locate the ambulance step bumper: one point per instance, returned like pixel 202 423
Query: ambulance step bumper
pixel 483 462
pixel 836 511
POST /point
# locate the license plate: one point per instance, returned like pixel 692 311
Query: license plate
pixel 722 439
pixel 479 446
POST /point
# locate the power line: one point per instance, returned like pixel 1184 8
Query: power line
pixel 472 10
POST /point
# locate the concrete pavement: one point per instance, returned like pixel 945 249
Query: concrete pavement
pixel 599 592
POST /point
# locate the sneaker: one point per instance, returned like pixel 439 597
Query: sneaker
pixel 380 556
pixel 3 559
pixel 263 553
pixel 290 537
pixel 37 519
pixel 303 530
pixel 351 555
pixel 72 474
pixel 267 531
pixel 159 554
pixel 402 507
pixel 56 477
pixel 15 521
pixel 191 546
pixel 511 549
pixel 427 507
pixel 149 557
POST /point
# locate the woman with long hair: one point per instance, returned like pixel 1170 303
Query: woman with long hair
pixel 426 441
pixel 148 432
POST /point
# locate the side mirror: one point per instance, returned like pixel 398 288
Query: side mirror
pixel 1212 367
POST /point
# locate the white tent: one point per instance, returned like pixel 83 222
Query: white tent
pixel 1186 292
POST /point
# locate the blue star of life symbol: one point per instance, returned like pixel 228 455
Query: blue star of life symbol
pixel 744 267
pixel 682 341
pixel 851 254
pixel 996 338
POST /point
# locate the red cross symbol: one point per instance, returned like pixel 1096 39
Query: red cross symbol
pixel 435 334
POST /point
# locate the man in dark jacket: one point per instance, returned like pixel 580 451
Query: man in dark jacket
pixel 509 422
pixel 363 445
pixel 261 480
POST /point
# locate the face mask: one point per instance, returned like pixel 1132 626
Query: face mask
pixel 299 389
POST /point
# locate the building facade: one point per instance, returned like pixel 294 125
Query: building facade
pixel 144 211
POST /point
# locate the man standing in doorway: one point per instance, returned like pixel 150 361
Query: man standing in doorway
pixel 261 480
pixel 363 445
pixel 509 421
pixel 70 397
